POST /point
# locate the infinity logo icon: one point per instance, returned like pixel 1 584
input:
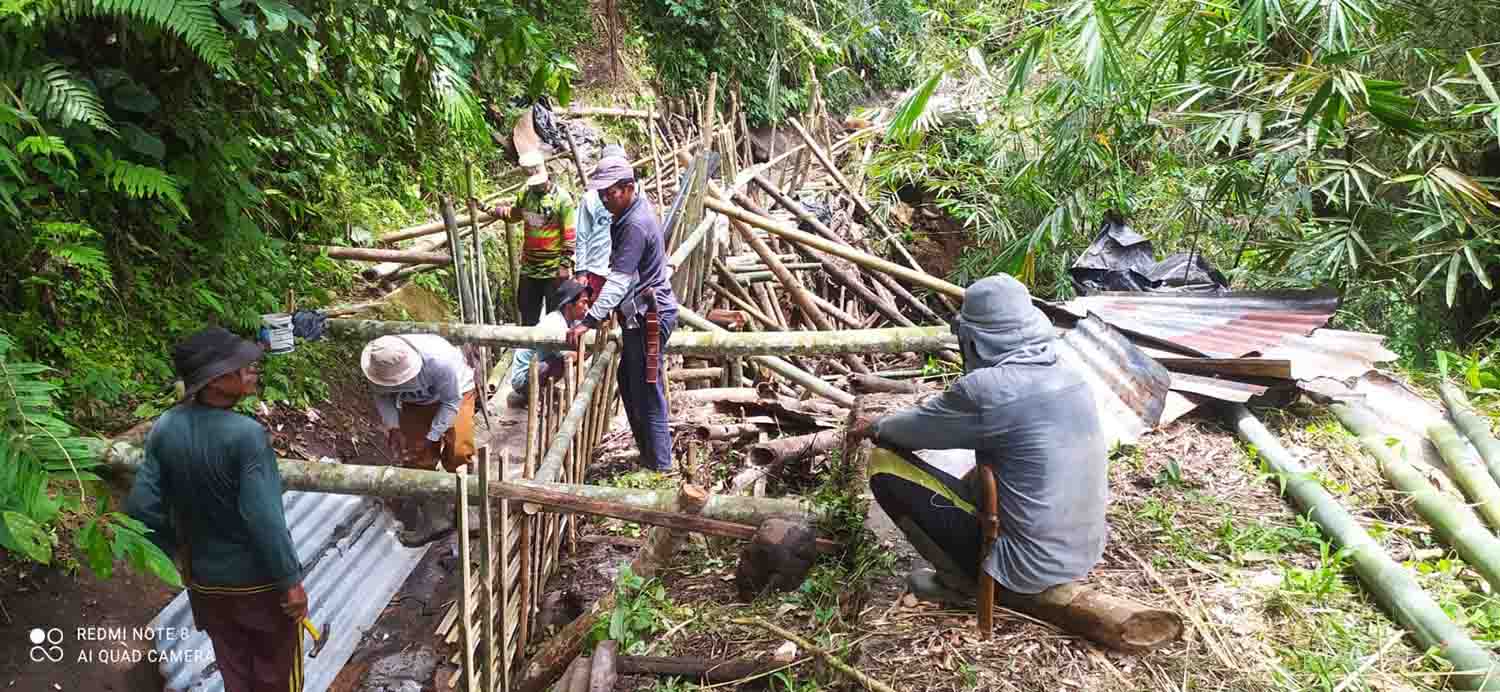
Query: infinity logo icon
pixel 45 645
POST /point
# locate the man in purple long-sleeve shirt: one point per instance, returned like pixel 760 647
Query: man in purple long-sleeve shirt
pixel 636 288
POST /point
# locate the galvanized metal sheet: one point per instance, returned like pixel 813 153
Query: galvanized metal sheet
pixel 1222 326
pixel 1129 388
pixel 1332 353
pixel 352 565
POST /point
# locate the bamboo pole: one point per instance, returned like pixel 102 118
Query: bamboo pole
pixel 862 259
pixel 748 308
pixel 797 375
pixel 585 111
pixel 1454 522
pixel 430 228
pixel 708 342
pixel 656 167
pixel 465 560
pixel 800 295
pixel 375 254
pixel 785 449
pixel 460 280
pixel 1468 474
pixel 1473 426
pixel 1391 585
pixel 558 448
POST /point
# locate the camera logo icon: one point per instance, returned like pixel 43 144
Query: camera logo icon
pixel 45 645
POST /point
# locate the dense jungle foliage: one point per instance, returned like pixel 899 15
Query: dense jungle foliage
pixel 1352 143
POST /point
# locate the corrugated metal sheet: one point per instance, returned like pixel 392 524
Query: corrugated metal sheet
pixel 1332 353
pixel 353 565
pixel 1222 326
pixel 1129 387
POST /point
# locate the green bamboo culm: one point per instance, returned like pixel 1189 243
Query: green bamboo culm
pixel 1391 585
pixel 1468 474
pixel 1454 522
pixel 1473 426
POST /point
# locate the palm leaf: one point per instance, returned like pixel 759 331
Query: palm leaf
pixel 911 117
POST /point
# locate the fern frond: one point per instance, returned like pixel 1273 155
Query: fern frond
pixel 144 182
pixel 911 117
pixel 192 20
pixel 54 92
pixel 48 146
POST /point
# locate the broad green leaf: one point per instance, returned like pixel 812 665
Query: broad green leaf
pixel 1316 104
pixel 27 537
pixel 143 142
pixel 135 98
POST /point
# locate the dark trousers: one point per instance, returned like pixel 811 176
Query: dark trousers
pixel 531 294
pixel 646 404
pixel 256 646
pixel 934 510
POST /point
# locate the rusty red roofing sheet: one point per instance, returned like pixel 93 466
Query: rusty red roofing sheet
pixel 1130 389
pixel 1222 326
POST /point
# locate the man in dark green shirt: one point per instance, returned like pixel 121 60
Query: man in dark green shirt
pixel 211 493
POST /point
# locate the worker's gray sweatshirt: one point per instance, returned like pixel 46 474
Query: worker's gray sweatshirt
pixel 445 379
pixel 1035 425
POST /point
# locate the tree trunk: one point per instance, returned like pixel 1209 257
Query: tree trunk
pixel 785 449
pixel 1109 620
pixel 372 254
pixel 1469 475
pixel 1474 427
pixel 1391 585
pixel 553 656
pixel 1454 522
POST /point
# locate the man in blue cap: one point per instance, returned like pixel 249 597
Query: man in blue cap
pixel 1032 422
pixel 638 291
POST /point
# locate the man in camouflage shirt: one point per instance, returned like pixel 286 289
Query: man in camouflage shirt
pixel 547 252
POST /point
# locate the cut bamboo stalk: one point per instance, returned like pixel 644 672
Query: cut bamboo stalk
pixel 1454 522
pixel 1473 426
pixel 375 254
pixel 1468 474
pixel 781 367
pixel 697 374
pixel 583 178
pixel 709 111
pixel 552 658
pixel 788 449
pixel 430 228
pixel 871 384
pixel 706 433
pixel 847 319
pixel 456 247
pixel 656 167
pixel 703 670
pixel 1391 585
pixel 862 259
pixel 800 295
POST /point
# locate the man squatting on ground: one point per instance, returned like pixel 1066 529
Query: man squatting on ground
pixel 1028 418
pixel 638 290
pixel 548 248
pixel 210 491
pixel 424 391
pixel 574 299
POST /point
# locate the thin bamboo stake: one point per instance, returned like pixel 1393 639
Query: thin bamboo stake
pixel 568 428
pixel 487 569
pixel 465 559
pixel 460 279
pixel 838 663
pixel 656 169
pixel 1391 585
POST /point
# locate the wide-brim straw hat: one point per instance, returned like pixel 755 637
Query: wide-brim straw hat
pixel 390 361
pixel 209 355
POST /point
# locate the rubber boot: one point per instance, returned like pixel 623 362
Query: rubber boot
pixel 947 589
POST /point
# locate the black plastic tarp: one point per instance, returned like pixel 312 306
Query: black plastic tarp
pixel 1121 259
